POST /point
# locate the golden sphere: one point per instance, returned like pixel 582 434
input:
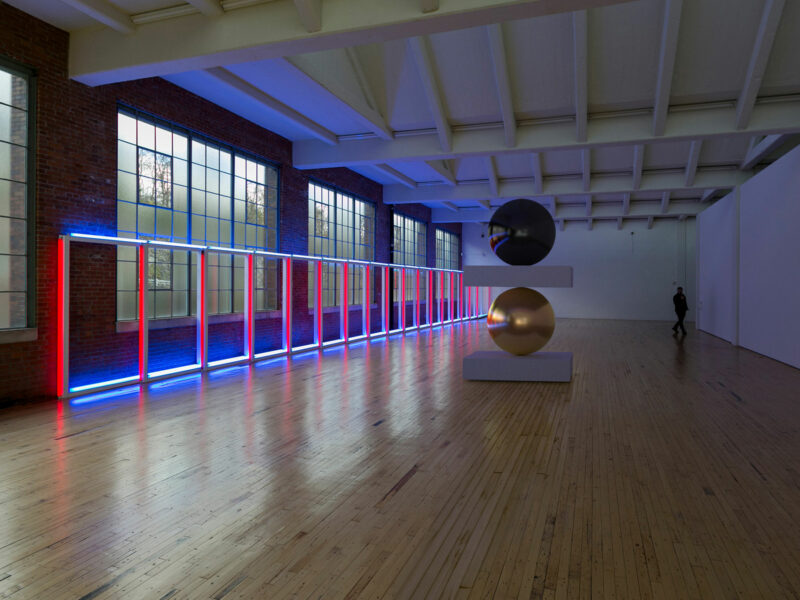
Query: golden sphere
pixel 521 321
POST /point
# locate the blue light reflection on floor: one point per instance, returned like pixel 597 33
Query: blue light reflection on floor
pixel 91 386
pixel 108 395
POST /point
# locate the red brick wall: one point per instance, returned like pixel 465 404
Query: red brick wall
pixel 76 188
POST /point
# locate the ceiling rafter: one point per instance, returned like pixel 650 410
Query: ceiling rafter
pixel 363 84
pixel 536 165
pixel 210 8
pixel 665 201
pixel 589 205
pixel 652 181
pixel 397 176
pixel 626 203
pixel 580 40
pixel 666 63
pixel 691 164
pixel 418 48
pixel 497 52
pixel 441 168
pixel 767 28
pixel 619 223
pixel 491 170
pixel 708 195
pixel 230 79
pixel 586 168
pixel 638 163
pixel 758 151
pixel 105 13
pixel 707 122
pixel 310 12
pixel 589 224
pixel 368 117
pixel 650 221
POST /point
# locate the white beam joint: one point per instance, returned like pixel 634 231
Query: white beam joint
pixel 626 204
pixel 210 8
pixel 589 205
pixel 586 168
pixel 580 35
pixel 638 163
pixel 419 51
pixel 619 223
pixel 497 52
pixel 691 163
pixel 759 151
pixel 104 13
pixel 589 224
pixel 650 221
pixel 441 169
pixel 708 195
pixel 310 12
pixel 491 172
pixel 666 63
pixel 770 18
pixel 222 75
pixel 664 202
pixel 536 165
pixel 397 176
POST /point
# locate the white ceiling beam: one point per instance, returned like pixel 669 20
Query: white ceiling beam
pixel 397 176
pixel 580 37
pixel 363 84
pixel 508 189
pixel 318 131
pixel 210 8
pixel 770 18
pixel 685 125
pixel 638 164
pixel 491 172
pixel 757 152
pixel 666 63
pixel 586 168
pixel 310 12
pixel 419 50
pixel 497 51
pixel 708 195
pixel 105 13
pixel 619 223
pixel 691 163
pixel 626 203
pixel 442 170
pixel 188 44
pixel 650 221
pixel 665 202
pixel 603 211
pixel 428 6
pixel 589 205
pixel 368 117
pixel 536 165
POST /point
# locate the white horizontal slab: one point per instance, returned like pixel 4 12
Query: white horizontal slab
pixel 533 276
pixel 491 365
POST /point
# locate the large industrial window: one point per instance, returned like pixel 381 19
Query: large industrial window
pixel 176 186
pixel 409 248
pixel 447 250
pixel 17 96
pixel 339 226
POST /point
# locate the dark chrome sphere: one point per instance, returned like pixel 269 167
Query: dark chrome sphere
pixel 521 321
pixel 521 232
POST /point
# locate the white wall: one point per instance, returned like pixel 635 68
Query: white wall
pixel 769 261
pixel 718 268
pixel 617 274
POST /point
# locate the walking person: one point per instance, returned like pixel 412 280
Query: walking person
pixel 679 300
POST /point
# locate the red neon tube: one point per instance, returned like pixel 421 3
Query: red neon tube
pixel 402 298
pixel 430 298
pixel 441 296
pixel 387 299
pixel 142 312
pixel 346 312
pixel 288 302
pixel 251 309
pixel 416 298
pixel 60 383
pixel 367 312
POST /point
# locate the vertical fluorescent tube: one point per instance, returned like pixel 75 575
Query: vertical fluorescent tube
pixel 452 295
pixel 318 303
pixel 416 298
pixel 250 313
pixel 430 298
pixel 202 311
pixel 287 305
pixel 477 307
pixel 62 351
pixel 387 301
pixel 344 312
pixel 143 312
pixel 365 306
pixel 403 299
pixel 461 296
pixel 441 297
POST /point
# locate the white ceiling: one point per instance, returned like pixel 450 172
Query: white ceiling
pixel 600 109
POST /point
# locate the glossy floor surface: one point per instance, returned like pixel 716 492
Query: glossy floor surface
pixel 668 468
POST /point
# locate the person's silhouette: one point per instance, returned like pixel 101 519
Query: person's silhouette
pixel 679 300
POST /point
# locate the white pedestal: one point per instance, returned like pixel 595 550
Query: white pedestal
pixel 487 365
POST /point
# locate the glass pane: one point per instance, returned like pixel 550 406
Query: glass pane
pixel 12 310
pixel 126 128
pixel 12 199
pixel 146 135
pixel 13 125
pixel 12 236
pixel 12 162
pixel 13 273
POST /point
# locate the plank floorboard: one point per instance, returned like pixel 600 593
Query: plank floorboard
pixel 668 468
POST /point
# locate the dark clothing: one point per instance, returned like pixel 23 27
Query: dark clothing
pixel 679 300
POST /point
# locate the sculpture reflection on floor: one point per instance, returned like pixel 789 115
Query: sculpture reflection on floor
pixel 521 320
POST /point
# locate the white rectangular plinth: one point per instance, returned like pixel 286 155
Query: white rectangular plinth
pixel 518 276
pixel 488 365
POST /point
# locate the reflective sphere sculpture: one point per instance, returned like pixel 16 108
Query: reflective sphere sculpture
pixel 521 321
pixel 521 232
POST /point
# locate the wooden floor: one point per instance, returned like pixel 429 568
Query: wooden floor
pixel 668 468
